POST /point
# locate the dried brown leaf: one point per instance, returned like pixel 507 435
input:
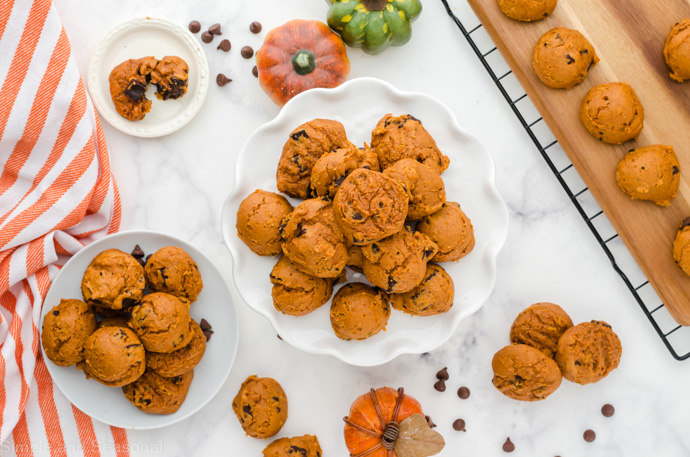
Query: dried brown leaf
pixel 417 439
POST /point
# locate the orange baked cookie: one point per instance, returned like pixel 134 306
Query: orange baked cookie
pixel 113 356
pixel 312 239
pixel 128 83
pixel 527 10
pixel 171 77
pixel 524 373
pixel 588 352
pixel 451 230
pixel 434 295
pixel 540 326
pixel 155 394
pixel 681 247
pixel 369 206
pixel 359 311
pixel 297 446
pixel 424 187
pixel 170 269
pixel 307 143
pixel 258 221
pixel 296 293
pixel 612 113
pixel 404 137
pixel 562 57
pixel 179 362
pixel 677 51
pixel 114 280
pixel 65 330
pixel 162 322
pixel 261 406
pixel 332 168
pixel 650 173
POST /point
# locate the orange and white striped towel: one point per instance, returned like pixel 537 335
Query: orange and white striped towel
pixel 56 195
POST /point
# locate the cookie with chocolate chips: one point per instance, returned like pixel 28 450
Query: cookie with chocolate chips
pixel 128 83
pixel 359 311
pixel 113 281
pixel 171 77
pixel 434 295
pixel 588 352
pixel 155 394
pixel 172 270
pixel 261 406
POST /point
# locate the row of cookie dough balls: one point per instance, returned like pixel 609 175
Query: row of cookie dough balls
pixel 147 344
pixel 363 226
pixel 261 407
pixel 546 347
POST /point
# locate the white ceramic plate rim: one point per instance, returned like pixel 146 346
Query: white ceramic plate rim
pixel 96 73
pixel 231 352
pixel 320 95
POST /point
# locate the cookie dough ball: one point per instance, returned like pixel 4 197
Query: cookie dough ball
pixel 562 57
pixel 114 356
pixel 540 326
pixel 650 173
pixel 677 51
pixel 261 406
pixel 451 230
pixel 681 247
pixel 172 270
pixel 424 186
pixel 179 362
pixel 65 330
pixel 524 373
pixel 296 293
pixel 305 446
pixel 171 77
pixel 312 239
pixel 369 206
pixel 332 168
pixel 155 394
pixel 434 295
pixel 114 280
pixel 612 113
pixel 162 322
pixel 404 137
pixel 128 83
pixel 588 352
pixel 307 143
pixel 397 264
pixel 359 311
pixel 527 10
pixel 258 221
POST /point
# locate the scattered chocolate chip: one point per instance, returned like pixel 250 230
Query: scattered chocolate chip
pixel 255 27
pixel 589 435
pixel 676 170
pixel 429 422
pixel 443 374
pixel 508 446
pixel 135 91
pixel 255 71
pixel 607 410
pixel 194 26
pixel 247 52
pixel 141 261
pixel 56 313
pixel 440 385
pixel 279 337
pixel 224 45
pixel 205 325
pixel 459 425
pixel 206 37
pixel 148 257
pixel 222 80
pixel 215 29
pixel 137 252
pixel 464 393
pixel 207 334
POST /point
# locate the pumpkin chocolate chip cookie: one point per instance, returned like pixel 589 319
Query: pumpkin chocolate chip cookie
pixel 66 328
pixel 113 356
pixel 677 51
pixel 650 173
pixel 114 280
pixel 524 373
pixel 296 293
pixel 261 406
pixel 359 311
pixel 305 446
pixel 179 362
pixel 258 221
pixel 162 322
pixel 170 269
pixel 434 295
pixel 612 113
pixel 562 57
pixel 423 184
pixel 681 247
pixel 527 10
pixel 332 168
pixel 171 77
pixel 128 83
pixel 451 230
pixel 540 326
pixel 155 394
pixel 588 352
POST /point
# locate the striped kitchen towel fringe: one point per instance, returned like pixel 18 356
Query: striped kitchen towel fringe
pixel 56 195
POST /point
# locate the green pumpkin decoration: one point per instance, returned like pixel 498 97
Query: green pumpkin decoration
pixel 373 25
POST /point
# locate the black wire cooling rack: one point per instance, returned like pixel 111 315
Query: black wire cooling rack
pixel 675 337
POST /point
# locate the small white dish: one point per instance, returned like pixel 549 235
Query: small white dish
pixel 108 404
pixel 469 180
pixel 149 36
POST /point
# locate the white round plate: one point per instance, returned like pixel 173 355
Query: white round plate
pixel 108 404
pixel 469 180
pixel 149 36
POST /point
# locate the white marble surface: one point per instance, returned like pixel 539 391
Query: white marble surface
pixel 176 184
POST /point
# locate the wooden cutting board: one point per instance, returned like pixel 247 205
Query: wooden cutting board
pixel 628 36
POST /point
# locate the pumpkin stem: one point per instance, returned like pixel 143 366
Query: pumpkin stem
pixel 375 5
pixel 303 62
pixel 361 429
pixel 368 451
pixel 375 401
pixel 398 403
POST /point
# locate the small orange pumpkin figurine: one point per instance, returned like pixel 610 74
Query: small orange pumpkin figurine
pixel 301 55
pixel 377 420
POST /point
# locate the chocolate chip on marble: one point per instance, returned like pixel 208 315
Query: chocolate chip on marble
pixel 464 393
pixel 194 26
pixel 589 435
pixel 459 425
pixel 429 422
pixel 206 37
pixel 137 252
pixel 141 261
pixel 443 374
pixel 255 27
pixel 205 325
pixel 215 29
pixel 440 385
pixel 207 334
pixel 607 410
pixel 255 71
pixel 222 80
pixel 224 45
pixel 148 257
pixel 508 446
pixel 247 52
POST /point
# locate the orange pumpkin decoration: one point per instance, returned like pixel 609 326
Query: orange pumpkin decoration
pixel 372 426
pixel 301 55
